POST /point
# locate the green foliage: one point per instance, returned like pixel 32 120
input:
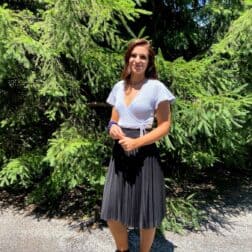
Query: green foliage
pixel 54 62
pixel 187 28
pixel 22 172
pixel 74 159
pixel 213 109
pixel 79 53
pixel 182 213
pixel 248 2
pixel 2 157
pixel 16 46
pixel 59 57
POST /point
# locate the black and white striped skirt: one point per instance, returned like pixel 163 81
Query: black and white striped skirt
pixel 134 191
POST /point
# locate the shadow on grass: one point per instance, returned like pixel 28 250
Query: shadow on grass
pixel 222 194
pixel 73 205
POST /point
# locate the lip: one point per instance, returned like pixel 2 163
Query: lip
pixel 138 67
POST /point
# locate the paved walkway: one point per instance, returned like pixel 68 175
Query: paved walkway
pixel 21 232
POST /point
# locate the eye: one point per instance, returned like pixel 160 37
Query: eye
pixel 133 55
pixel 143 57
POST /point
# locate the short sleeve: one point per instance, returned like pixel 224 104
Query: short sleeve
pixel 113 94
pixel 163 94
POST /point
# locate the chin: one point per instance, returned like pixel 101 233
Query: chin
pixel 138 72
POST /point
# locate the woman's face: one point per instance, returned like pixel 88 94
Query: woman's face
pixel 139 59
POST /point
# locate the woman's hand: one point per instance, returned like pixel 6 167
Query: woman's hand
pixel 116 132
pixel 128 144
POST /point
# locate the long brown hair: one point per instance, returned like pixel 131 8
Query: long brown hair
pixel 151 71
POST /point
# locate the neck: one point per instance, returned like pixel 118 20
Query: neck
pixel 135 80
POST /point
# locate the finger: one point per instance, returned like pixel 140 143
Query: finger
pixel 121 141
pixel 117 130
pixel 121 132
pixel 113 132
pixel 113 135
pixel 119 135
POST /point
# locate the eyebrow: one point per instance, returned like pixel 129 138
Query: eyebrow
pixel 141 55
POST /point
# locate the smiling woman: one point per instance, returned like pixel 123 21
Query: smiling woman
pixel 138 63
pixel 134 189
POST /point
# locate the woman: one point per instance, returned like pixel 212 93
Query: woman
pixel 134 190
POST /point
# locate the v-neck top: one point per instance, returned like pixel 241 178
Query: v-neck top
pixel 140 112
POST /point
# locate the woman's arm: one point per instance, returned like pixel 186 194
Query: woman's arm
pixel 163 115
pixel 115 131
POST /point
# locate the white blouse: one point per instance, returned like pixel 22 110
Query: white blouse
pixel 140 112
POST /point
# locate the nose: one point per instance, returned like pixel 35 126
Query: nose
pixel 137 59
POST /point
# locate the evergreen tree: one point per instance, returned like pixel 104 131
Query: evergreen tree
pixel 59 59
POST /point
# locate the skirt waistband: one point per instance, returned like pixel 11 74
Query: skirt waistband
pixel 130 132
pixel 138 129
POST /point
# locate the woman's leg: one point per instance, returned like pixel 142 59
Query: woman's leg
pixel 146 239
pixel 120 234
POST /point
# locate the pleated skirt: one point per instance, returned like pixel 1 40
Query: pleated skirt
pixel 134 192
